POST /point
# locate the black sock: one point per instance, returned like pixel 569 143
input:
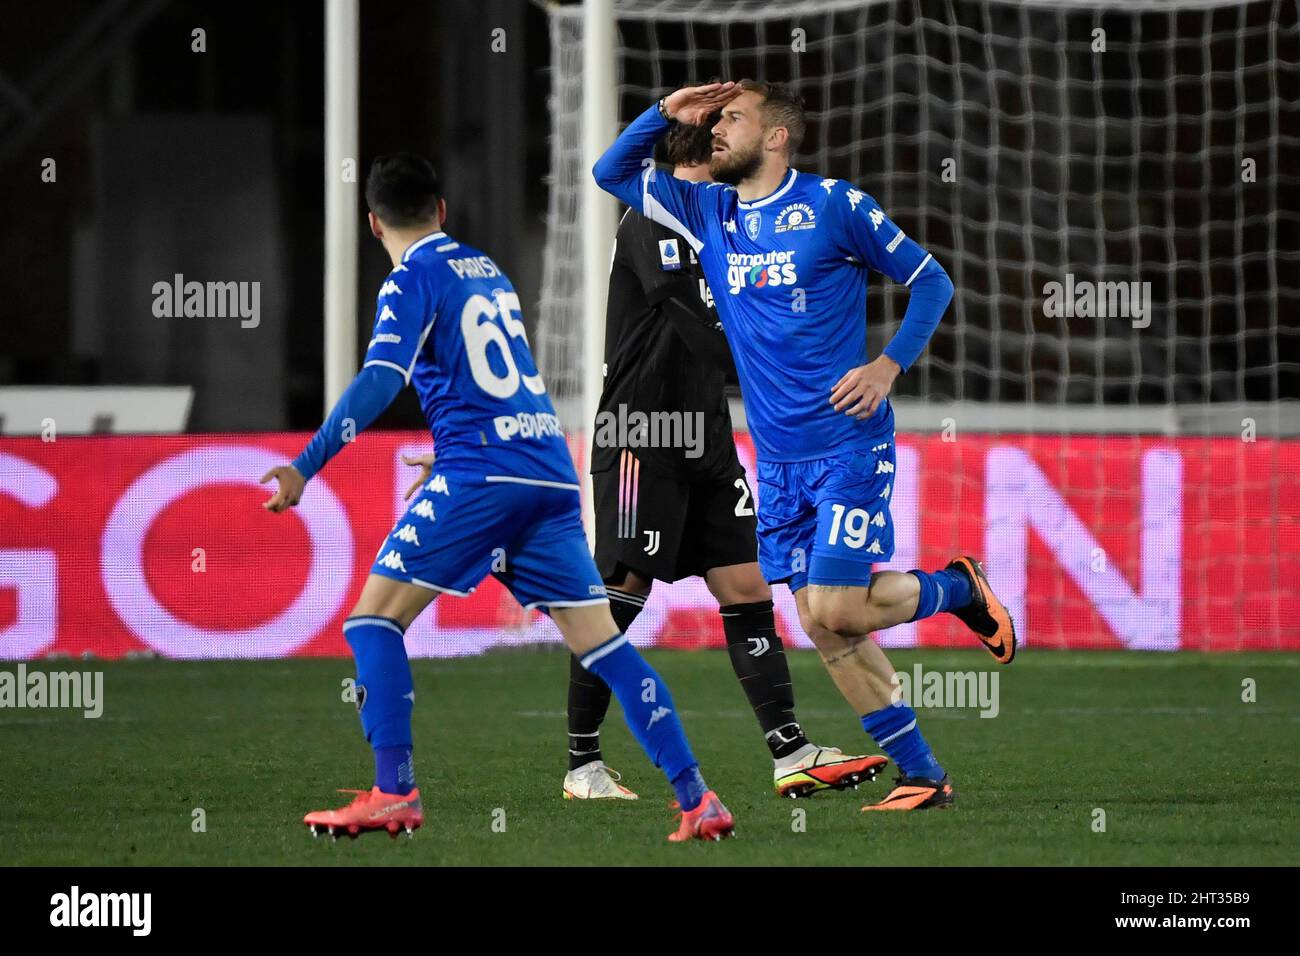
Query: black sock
pixel 588 694
pixel 758 658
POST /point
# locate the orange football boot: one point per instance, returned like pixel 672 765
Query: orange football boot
pixel 708 821
pixel 917 793
pixel 985 615
pixel 370 811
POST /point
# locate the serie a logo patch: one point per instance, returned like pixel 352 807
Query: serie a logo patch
pixel 670 256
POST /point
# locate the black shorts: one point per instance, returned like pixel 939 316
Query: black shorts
pixel 669 527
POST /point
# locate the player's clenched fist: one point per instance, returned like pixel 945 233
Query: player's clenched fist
pixel 695 104
pixel 861 390
pixel 289 492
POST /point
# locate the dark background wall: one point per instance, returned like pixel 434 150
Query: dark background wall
pixel 210 164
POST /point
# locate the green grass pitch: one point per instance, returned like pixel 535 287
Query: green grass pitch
pixel 1186 772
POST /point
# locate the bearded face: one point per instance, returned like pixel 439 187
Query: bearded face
pixel 732 162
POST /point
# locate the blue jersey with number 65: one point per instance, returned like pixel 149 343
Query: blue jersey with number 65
pixel 448 320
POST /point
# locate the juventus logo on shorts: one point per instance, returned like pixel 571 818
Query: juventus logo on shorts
pixel 629 481
pixel 652 542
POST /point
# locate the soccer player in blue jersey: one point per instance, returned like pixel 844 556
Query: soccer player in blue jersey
pixel 786 254
pixel 447 321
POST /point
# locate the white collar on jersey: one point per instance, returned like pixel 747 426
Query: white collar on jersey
pixel 419 242
pixel 784 188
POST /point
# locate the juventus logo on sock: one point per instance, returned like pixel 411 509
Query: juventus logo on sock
pixel 785 734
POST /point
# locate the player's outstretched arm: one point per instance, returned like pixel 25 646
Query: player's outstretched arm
pixel 372 391
pixel 627 168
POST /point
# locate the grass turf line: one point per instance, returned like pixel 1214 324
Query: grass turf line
pixel 1186 772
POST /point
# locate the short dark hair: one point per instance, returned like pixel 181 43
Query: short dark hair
pixel 782 106
pixel 402 189
pixel 687 145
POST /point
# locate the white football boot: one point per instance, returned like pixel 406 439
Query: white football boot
pixel 595 781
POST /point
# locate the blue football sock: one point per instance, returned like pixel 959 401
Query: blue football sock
pixel 941 591
pixel 385 698
pixel 894 730
pixel 650 714
pixel 394 769
pixel 690 787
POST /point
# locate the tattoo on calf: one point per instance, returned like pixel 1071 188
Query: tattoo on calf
pixel 853 649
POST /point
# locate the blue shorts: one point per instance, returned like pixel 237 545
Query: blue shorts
pixel 826 521
pixel 461 528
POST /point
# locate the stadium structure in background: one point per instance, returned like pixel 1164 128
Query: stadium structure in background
pixel 1109 412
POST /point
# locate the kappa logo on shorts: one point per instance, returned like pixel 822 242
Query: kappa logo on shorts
pixel 393 561
pixel 423 508
pixel 407 534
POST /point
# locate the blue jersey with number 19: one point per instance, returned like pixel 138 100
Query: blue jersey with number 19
pixel 789 275
pixel 448 320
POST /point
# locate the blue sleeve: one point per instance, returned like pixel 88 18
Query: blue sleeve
pixel 372 391
pixel 931 293
pixel 870 237
pixel 404 315
pixel 627 170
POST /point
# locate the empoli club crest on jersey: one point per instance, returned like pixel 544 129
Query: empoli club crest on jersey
pixel 752 222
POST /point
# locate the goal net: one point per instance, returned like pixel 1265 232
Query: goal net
pixel 1108 411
